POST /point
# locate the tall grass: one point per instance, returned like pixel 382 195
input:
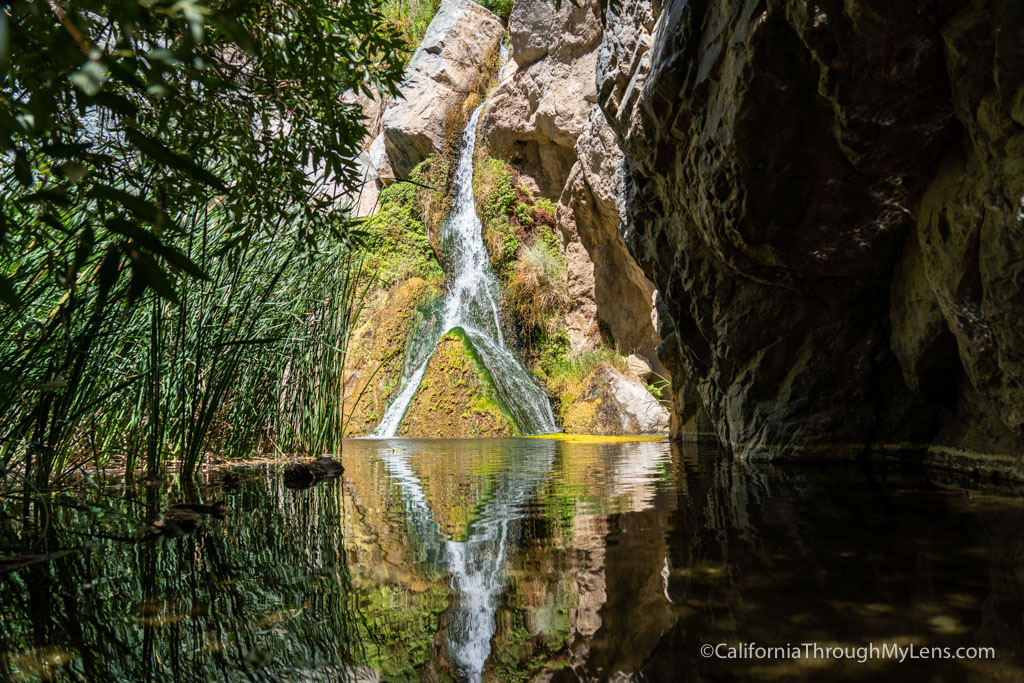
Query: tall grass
pixel 249 358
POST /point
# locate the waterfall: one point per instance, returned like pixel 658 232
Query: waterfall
pixel 476 565
pixel 471 302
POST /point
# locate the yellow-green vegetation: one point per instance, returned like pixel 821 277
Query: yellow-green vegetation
pixel 520 234
pixel 456 397
pixel 396 238
pixel 410 19
pixel 401 253
pixel 398 626
pixel 567 379
pixel 519 231
pixel 377 352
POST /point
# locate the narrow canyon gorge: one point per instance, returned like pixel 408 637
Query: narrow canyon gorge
pixel 806 217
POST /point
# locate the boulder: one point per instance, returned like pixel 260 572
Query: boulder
pixel 456 397
pixel 535 115
pixel 372 107
pixel 449 64
pixel 613 404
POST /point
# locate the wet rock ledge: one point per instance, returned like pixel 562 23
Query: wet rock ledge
pixel 829 198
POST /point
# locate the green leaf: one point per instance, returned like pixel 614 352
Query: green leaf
pixel 117 103
pixel 152 243
pixel 235 31
pixel 109 270
pixel 52 385
pixel 90 78
pixel 150 273
pixel 5 46
pixel 137 205
pixel 154 149
pixel 59 197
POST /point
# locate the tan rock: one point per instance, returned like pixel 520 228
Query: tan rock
pixel 543 119
pixel 622 295
pixel 613 404
pixel 445 68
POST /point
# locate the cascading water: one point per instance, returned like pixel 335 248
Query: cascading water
pixel 471 302
pixel 476 564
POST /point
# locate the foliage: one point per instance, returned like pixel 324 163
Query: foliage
pixel 171 255
pixel 535 287
pixel 254 352
pixel 566 376
pixel 136 114
pixel 502 8
pixel 524 249
pixel 410 19
pixel 397 244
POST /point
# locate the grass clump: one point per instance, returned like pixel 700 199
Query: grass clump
pixel 410 19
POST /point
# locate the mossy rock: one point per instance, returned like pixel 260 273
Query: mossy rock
pixel 456 398
pixel 377 352
pixel 596 410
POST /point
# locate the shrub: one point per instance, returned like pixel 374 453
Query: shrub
pixel 536 290
pixel 396 239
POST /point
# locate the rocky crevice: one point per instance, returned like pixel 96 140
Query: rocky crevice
pixel 544 119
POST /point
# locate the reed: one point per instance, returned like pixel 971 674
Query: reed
pixel 177 265
pixel 248 359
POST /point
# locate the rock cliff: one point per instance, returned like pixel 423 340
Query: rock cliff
pixel 543 118
pixel 829 198
pixel 447 66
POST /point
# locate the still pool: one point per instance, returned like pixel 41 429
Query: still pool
pixel 516 560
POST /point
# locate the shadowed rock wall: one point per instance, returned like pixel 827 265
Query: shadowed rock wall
pixel 829 198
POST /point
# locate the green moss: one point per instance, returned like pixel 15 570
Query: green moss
pixel 457 386
pixel 489 401
pixel 524 249
pixel 395 238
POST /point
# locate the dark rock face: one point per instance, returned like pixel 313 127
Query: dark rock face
pixel 829 198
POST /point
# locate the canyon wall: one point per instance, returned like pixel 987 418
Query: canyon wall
pixel 829 198
pixel 543 118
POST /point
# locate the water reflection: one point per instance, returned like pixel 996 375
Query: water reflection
pixel 515 560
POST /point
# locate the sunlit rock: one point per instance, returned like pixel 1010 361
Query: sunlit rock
pixel 446 67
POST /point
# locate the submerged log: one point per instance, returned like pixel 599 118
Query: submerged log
pixel 184 518
pixel 302 475
pixel 15 562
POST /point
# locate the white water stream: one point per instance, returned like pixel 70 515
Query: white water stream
pixel 476 565
pixel 471 302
